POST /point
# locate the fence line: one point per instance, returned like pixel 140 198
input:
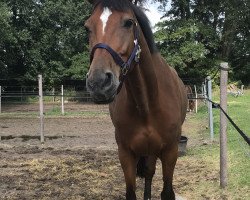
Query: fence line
pixel 86 95
pixel 201 96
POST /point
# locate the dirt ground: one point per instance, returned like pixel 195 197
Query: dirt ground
pixel 78 159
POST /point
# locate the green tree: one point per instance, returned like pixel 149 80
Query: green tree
pixel 222 30
pixel 76 71
pixel 187 45
pixel 5 33
pixel 47 35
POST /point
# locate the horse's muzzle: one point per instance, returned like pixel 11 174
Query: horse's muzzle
pixel 102 86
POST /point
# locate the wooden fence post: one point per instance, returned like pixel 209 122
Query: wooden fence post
pixel 21 94
pixel 196 100
pixel 62 100
pixel 0 99
pixel 242 89
pixel 223 124
pixel 53 93
pixel 40 85
pixel 204 90
pixel 209 104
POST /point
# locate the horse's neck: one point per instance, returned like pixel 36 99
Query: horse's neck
pixel 141 84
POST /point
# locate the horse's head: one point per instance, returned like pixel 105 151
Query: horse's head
pixel 113 40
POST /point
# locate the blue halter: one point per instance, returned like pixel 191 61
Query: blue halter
pixel 125 66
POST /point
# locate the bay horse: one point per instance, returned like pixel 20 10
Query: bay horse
pixel 147 100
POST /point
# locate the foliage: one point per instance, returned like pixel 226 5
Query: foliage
pixel 75 71
pixel 44 37
pixel 6 35
pixel 47 37
pixel 184 43
pixel 196 35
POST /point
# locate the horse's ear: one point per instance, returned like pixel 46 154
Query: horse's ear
pixel 135 2
pixel 132 1
pixel 93 2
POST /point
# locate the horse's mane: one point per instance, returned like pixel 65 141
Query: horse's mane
pixel 124 5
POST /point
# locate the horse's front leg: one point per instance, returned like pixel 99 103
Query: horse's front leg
pixel 168 159
pixel 128 162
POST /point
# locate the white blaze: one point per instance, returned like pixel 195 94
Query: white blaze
pixel 104 17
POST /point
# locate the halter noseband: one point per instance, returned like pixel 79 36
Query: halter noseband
pixel 125 66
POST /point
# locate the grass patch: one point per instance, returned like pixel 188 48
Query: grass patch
pixel 208 152
pixel 57 112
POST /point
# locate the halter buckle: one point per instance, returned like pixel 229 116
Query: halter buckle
pixel 125 69
pixel 138 54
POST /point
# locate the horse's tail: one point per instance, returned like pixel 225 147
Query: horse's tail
pixel 141 167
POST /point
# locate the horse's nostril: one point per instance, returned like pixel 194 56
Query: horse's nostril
pixel 100 81
pixel 108 79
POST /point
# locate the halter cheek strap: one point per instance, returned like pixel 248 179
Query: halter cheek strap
pixel 125 66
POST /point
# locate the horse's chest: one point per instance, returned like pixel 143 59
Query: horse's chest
pixel 146 141
pixel 145 137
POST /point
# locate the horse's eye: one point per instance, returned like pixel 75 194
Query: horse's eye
pixel 128 23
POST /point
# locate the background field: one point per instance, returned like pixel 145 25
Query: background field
pixel 79 158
